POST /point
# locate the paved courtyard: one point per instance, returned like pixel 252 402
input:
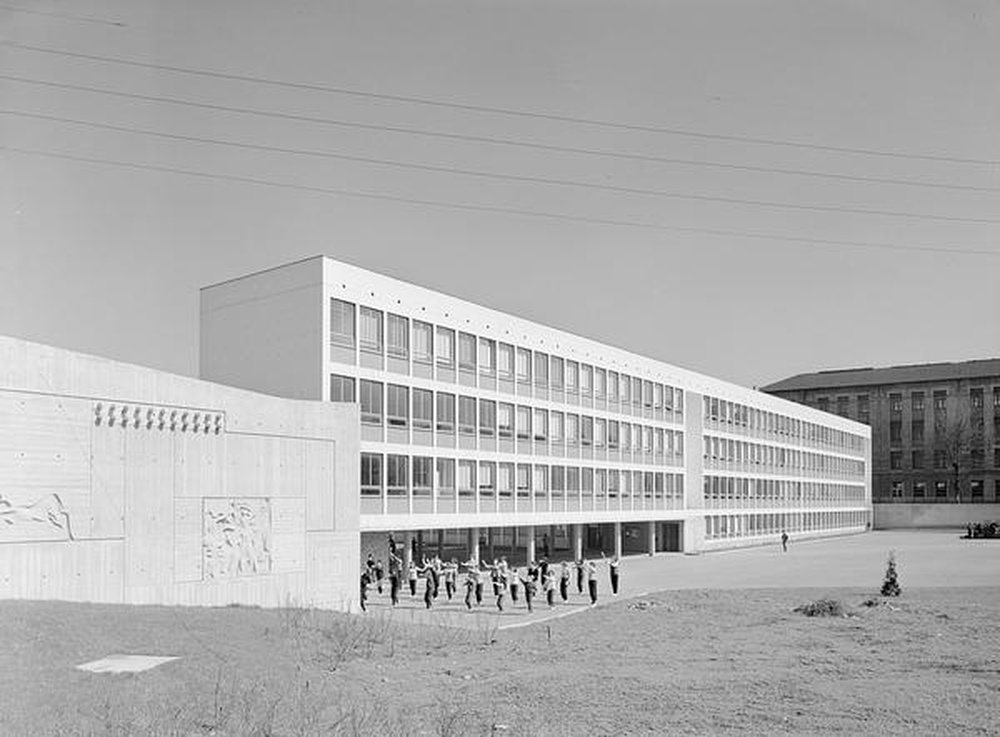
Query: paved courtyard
pixel 932 558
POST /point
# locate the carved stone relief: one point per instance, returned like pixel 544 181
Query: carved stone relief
pixel 236 538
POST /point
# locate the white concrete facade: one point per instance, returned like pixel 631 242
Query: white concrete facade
pixel 473 419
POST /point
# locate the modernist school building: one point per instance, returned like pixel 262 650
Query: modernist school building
pixel 486 434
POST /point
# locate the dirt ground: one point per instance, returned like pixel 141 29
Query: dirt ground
pixel 691 661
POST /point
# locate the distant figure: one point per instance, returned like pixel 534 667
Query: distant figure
pixel 411 575
pixel 579 575
pixel 564 581
pixel 613 565
pixel 592 581
pixel 784 541
pixel 379 575
pixel 365 580
pixel 395 577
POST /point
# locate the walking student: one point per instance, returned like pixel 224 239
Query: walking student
pixel 784 541
pixel 411 575
pixel 564 581
pixel 579 575
pixel 613 566
pixel 395 574
pixel 592 581
pixel 549 583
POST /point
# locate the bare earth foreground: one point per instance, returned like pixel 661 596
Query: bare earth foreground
pixel 717 649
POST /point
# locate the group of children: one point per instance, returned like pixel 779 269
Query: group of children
pixel 507 581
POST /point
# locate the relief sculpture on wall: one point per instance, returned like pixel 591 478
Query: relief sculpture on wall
pixel 43 519
pixel 236 538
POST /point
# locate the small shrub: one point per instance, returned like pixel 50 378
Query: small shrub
pixel 821 608
pixel 890 584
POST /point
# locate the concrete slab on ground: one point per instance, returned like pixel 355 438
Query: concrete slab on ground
pixel 119 663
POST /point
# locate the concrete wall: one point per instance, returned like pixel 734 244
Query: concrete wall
pixel 895 516
pixel 123 484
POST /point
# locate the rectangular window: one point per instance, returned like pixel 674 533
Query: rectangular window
pixel 505 361
pixel 637 392
pixel 423 469
pixel 896 460
pixel 487 478
pixel 342 323
pixel 977 456
pixel 976 488
pixel 976 398
pixel 940 489
pixel 917 431
pixel 600 383
pixel 572 430
pixel 396 474
pixel 541 425
pixel 423 409
pixel 370 329
pixel 895 431
pixel 523 423
pixel 600 432
pixel 657 397
pixel 897 489
pixel 341 388
pixel 612 386
pixel 917 402
pixel 466 478
pixel 842 406
pixel 445 346
pixel 823 404
pixel 467 415
pixel 505 420
pixel 445 412
pixel 446 475
pixel 895 403
pixel 524 365
pixel 487 356
pixel 541 369
pixel 466 352
pixel 917 459
pixel 556 427
pixel 397 402
pixel 586 379
pixel 612 435
pixel 940 458
pixel 919 489
pixel 556 373
pixel 647 394
pixel 586 431
pixel 423 342
pixel 371 474
pixel 572 376
pixel 940 400
pixel 523 479
pixel 864 408
pixel 487 418
pixel 505 480
pixel 625 390
pixel 397 336
pixel 371 401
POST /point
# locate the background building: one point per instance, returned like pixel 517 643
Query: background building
pixel 935 434
pixel 487 434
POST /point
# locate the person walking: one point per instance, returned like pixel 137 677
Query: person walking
pixel 613 566
pixel 365 580
pixel 784 541
pixel 564 581
pixel 395 577
pixel 428 572
pixel 470 588
pixel 411 575
pixel 592 581
pixel 549 582
pixel 579 575
pixel 450 578
pixel 529 591
pixel 515 585
pixel 379 575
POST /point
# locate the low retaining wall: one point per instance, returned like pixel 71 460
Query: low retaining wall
pixel 897 516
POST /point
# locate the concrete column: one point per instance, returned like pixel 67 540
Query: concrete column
pixel 407 549
pixel 474 543
pixel 618 539
pixel 440 550
pixel 652 537
pixel 529 532
pixel 578 542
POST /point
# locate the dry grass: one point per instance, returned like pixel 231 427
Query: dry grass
pixel 690 662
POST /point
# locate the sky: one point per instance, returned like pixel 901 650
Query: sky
pixel 746 189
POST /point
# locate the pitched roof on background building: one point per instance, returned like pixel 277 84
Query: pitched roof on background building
pixel 869 376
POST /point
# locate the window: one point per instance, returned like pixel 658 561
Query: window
pixel 556 427
pixel 466 478
pixel 423 409
pixel 487 478
pixel 422 472
pixel 600 432
pixel 541 369
pixel 541 425
pixel 612 386
pixel 572 429
pixel 487 356
pixel 823 404
pixel 586 380
pixel 423 342
pixel 572 376
pixel 446 476
pixel 940 489
pixel 625 393
pixel 397 336
pixel 505 361
pixel 897 489
pixel 636 392
pixel 342 323
pixel 864 409
pixel 917 431
pixel 600 383
pixel 505 420
pixel 917 459
pixel 896 460
pixel 371 401
pixel 895 403
pixel 842 406
pixel 978 457
pixel 487 418
pixel 505 480
pixel 940 400
pixel 976 488
pixel 445 347
pixel 524 365
pixel 647 394
pixel 917 402
pixel 467 415
pixel 612 435
pixel 523 423
pixel 895 431
pixel 940 458
pixel 919 489
pixel 996 459
pixel 523 479
pixel 541 480
pixel 370 328
pixel 556 373
pixel 586 431
pixel 996 398
pixel 397 402
pixel 396 476
pixel 976 398
pixel 371 474
pixel 341 388
pixel 466 352
pixel 445 412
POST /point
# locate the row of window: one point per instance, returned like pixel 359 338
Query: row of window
pixel 743 455
pixel 943 432
pixel 728 491
pixel 444 412
pixel 722 526
pixel 399 475
pixel 739 418
pixel 943 489
pixel 942 458
pixel 425 343
pixel 918 403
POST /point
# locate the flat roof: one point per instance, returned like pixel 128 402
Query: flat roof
pixel 907 374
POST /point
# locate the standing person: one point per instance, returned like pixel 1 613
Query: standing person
pixel 428 572
pixel 515 584
pixel 543 569
pixel 365 580
pixel 379 575
pixel 613 566
pixel 592 581
pixel 450 577
pixel 549 583
pixel 500 587
pixel 479 578
pixel 495 577
pixel 470 588
pixel 411 575
pixel 529 591
pixel 784 541
pixel 395 576
pixel 564 581
pixel 579 575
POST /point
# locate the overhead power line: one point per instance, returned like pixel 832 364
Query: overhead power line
pixel 511 112
pixel 531 145
pixel 523 179
pixel 495 209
